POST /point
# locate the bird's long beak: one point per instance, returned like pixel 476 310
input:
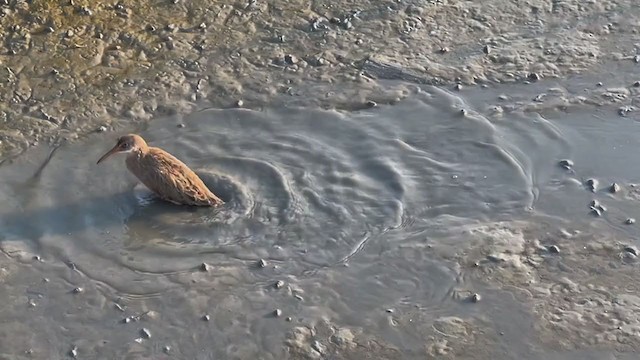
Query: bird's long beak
pixel 109 153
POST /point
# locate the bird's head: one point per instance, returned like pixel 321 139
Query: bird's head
pixel 126 144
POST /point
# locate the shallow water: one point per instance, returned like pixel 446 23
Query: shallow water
pixel 354 211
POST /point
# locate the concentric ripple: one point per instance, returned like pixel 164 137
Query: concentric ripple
pixel 307 188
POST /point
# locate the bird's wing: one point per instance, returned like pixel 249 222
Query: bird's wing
pixel 176 181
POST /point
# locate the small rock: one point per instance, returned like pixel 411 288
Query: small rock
pixel 476 297
pixel 73 352
pixel 37 258
pixel 203 266
pixel 458 87
pixel 444 50
pixel 239 103
pixel 623 111
pixel 592 184
pixel 279 284
pixel 202 26
pixel 335 20
pixel 533 77
pixel 486 49
pixel 49 29
pixel 206 317
pixel 289 319
pixel 277 313
pixel 102 129
pixel 630 221
pixel 262 263
pixel 127 320
pixel 371 104
pixel 614 188
pixel 636 59
pixel 166 349
pixel 78 290
pixel 599 84
pixel 631 249
pixel 290 59
pixel 150 28
pixel 636 84
pixel 69 33
pixel 359 41
pixel 171 27
pixel 566 163
pixel 348 25
pixel 298 297
pixel 554 249
pixel 389 311
pixel 145 333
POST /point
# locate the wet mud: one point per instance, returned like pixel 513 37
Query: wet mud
pixel 369 214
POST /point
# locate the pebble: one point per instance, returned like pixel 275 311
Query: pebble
pixel 37 258
pixel 127 320
pixel 298 297
pixel 566 163
pixel 636 84
pixel 463 112
pixel 49 29
pixel 592 184
pixel 262 263
pixel 239 103
pixel 630 221
pixel 371 104
pixel 166 349
pixel 69 33
pixel 289 319
pixel 145 333
pixel 554 249
pixel 599 84
pixel 181 126
pixel 279 284
pixel 78 290
pixel 277 313
pixel 348 25
pixel 73 352
pixel 636 59
pixel 476 297
pixel 533 77
pixel 390 311
pixel 486 49
pixel 444 50
pixel 118 307
pixel 597 208
pixel 150 28
pixel 614 188
pixel 458 87
pixel 290 59
pixel 631 249
pixel 206 317
pixel 102 129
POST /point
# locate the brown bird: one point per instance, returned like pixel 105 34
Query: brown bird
pixel 163 173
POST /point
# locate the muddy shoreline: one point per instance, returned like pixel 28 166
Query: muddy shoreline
pixel 73 70
pixel 75 67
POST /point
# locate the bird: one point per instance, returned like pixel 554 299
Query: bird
pixel 165 175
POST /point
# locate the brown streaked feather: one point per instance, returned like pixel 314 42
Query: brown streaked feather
pixel 163 173
pixel 171 179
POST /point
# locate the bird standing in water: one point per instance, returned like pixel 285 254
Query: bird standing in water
pixel 163 173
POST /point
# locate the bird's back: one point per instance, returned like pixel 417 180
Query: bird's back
pixel 170 178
